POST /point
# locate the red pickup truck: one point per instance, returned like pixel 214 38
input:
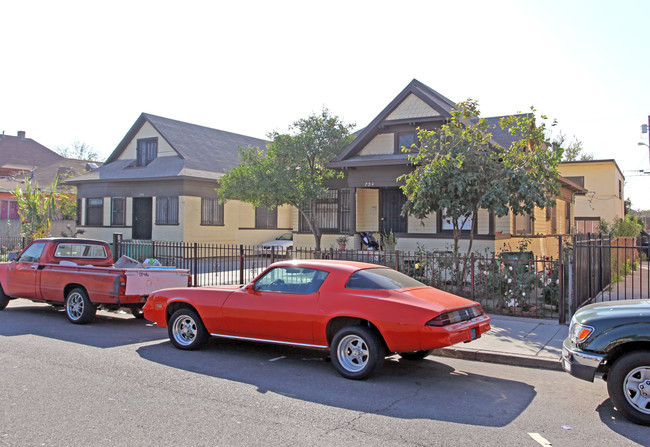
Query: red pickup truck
pixel 79 274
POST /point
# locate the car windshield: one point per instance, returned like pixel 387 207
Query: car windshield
pixel 285 237
pixel 381 279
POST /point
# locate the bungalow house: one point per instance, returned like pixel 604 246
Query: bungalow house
pixel 369 199
pixel 23 158
pixel 159 183
pixel 604 198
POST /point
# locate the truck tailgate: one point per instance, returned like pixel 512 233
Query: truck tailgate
pixel 145 281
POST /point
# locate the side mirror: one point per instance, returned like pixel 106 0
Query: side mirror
pixel 250 287
pixel 12 256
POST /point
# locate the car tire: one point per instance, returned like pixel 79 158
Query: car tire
pixel 186 330
pixel 78 307
pixel 628 384
pixel 137 312
pixel 415 355
pixel 357 352
pixel 4 299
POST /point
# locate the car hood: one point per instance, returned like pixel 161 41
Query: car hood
pixel 629 310
pixel 432 299
pixel 277 244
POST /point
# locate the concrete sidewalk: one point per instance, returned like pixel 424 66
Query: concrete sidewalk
pixel 515 341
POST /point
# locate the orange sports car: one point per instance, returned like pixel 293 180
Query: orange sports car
pixel 359 312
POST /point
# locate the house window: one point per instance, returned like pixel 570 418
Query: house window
pixel 118 215
pixel 332 212
pixel 405 139
pixel 584 225
pixel 447 224
pixel 523 224
pixel 620 189
pixel 78 216
pixel 211 211
pixel 94 212
pixel 266 218
pixel 166 210
pixel 146 151
pixel 9 209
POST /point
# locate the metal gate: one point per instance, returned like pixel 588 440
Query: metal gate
pixel 608 269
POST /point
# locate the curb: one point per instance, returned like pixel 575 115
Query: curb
pixel 527 361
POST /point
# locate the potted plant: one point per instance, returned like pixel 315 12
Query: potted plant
pixel 342 241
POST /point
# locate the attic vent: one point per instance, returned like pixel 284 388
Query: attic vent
pixel 21 134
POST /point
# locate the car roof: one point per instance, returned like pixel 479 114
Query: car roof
pixel 328 264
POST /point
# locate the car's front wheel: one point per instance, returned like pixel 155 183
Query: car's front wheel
pixel 186 330
pixel 415 355
pixel 78 307
pixel 628 384
pixel 357 352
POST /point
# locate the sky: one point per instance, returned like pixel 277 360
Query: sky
pixel 84 71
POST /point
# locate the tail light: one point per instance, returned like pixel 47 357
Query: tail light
pixel 456 316
pixel 189 280
pixel 122 285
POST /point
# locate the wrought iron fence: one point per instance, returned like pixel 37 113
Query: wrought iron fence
pixel 512 283
pixel 8 244
pixel 609 269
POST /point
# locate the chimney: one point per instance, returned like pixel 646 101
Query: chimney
pixel 21 134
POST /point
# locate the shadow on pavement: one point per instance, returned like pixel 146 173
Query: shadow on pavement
pixel 617 423
pixel 426 389
pixel 108 330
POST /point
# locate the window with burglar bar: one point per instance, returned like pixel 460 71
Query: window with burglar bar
pixel 146 151
pixel 333 212
pixel 211 211
pixel 266 218
pixel 166 210
pixel 118 206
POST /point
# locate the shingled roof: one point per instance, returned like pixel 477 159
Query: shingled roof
pixel 203 152
pixel 21 153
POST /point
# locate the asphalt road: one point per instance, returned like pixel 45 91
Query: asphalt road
pixel 120 382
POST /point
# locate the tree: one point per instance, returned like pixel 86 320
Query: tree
pixel 292 169
pixel 459 171
pixel 572 151
pixel 78 151
pixel 36 208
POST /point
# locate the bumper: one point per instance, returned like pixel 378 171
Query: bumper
pixel 580 364
pixel 440 337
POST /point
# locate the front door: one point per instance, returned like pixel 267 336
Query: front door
pixel 142 207
pixel 391 202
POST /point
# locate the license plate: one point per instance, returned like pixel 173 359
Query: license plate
pixel 472 332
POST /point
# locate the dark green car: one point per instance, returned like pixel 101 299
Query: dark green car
pixel 612 340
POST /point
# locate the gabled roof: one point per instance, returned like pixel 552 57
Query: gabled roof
pixel 433 99
pixel 20 152
pixel 443 106
pixel 203 152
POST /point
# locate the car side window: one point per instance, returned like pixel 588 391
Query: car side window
pixel 33 252
pixel 291 280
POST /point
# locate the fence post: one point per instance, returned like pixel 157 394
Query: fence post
pixel 196 264
pixel 471 260
pixel 117 252
pixel 153 249
pixel 562 297
pixel 241 264
pixel 397 260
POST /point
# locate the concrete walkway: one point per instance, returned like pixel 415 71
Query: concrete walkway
pixel 515 341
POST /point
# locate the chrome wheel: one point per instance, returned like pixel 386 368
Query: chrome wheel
pixel 353 353
pixel 636 387
pixel 75 305
pixel 185 330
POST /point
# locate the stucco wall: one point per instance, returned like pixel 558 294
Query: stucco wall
pixel 601 181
